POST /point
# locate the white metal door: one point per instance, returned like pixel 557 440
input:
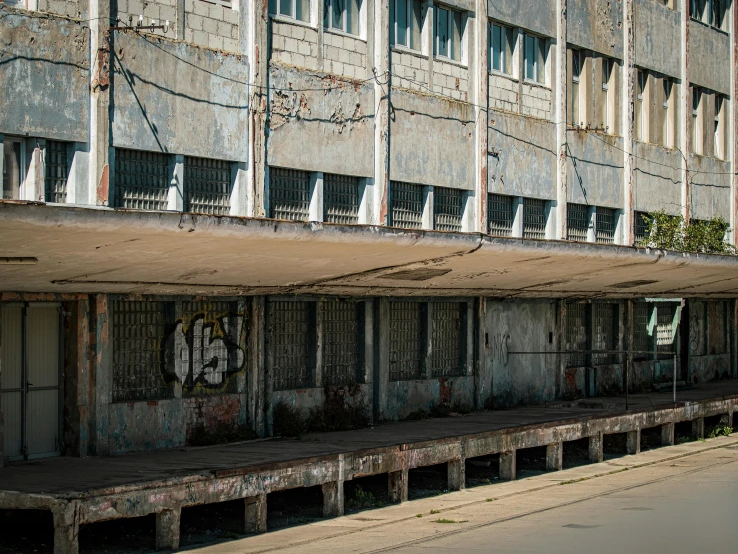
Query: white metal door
pixel 31 390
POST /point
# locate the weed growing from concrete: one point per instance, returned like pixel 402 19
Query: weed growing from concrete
pixel 435 512
pixel 451 521
pixel 363 500
pixel 418 515
pixel 720 431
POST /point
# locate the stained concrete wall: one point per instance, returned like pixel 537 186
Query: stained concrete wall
pixel 710 187
pixel 596 25
pixel 526 161
pixel 319 123
pixel 44 76
pixel 709 58
pixel 514 328
pixel 595 169
pixel 432 141
pixel 657 37
pixel 658 179
pixel 538 16
pixel 173 97
pixel 405 398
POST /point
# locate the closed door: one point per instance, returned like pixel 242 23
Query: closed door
pixel 30 388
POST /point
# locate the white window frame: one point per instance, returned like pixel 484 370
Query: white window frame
pixel 441 10
pixel 501 55
pixel 17 194
pixel 697 146
pixel 275 9
pixel 409 29
pixel 540 74
pixel 330 25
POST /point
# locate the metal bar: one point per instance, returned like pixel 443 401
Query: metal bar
pixel 673 382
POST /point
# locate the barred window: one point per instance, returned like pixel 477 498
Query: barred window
pixel 342 341
pixel 407 338
pixel 640 227
pixel 207 186
pixel 642 340
pixel 138 332
pixel 448 339
pixel 666 329
pixel 605 333
pixel 57 171
pixel 577 222
pixel 341 199
pixel 407 205
pixel 500 215
pixel 577 334
pixel 605 222
pixel 141 180
pixel 289 194
pixel 291 332
pixel 447 209
pixel 534 218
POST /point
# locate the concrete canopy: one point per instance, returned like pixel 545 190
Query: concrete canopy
pixel 81 250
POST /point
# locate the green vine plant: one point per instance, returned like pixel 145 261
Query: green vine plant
pixel 672 232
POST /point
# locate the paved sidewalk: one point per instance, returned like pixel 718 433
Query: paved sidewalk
pixel 71 477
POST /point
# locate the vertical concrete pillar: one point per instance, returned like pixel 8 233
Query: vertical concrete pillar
pixel 428 218
pixel 239 189
pixel 100 187
pixel 560 88
pixel 596 453
pixel 382 348
pixel 667 434
pixel 253 39
pixel 481 116
pixel 626 114
pixel 698 428
pixel 101 369
pixel 382 90
pixel 175 196
pixel 456 474
pixel 333 499
pixel 633 442
pixel 66 534
pixel 316 194
pixel 255 515
pixel 508 465
pixel 33 187
pixel 167 529
pixel 733 150
pixel 517 224
pixel 555 456
pixel 730 416
pixel 397 484
pixel 685 109
pixel 2 163
pixel 257 378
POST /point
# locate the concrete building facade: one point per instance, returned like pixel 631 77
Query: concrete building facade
pixel 402 134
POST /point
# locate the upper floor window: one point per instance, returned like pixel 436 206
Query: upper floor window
pixel 296 9
pixel 342 15
pixel 535 55
pixel 448 34
pixel 719 129
pixel 669 126
pixel 406 23
pixel 710 12
pixel 501 47
pixel 576 113
pixel 697 120
pixel 640 119
pixel 605 109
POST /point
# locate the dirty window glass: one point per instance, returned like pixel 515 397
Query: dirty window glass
pixel 296 9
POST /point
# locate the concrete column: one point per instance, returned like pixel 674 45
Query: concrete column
pixel 366 201
pixel 730 417
pixel 481 115
pixel 456 474
pixel 555 456
pixel 667 434
pixel 381 367
pixel 382 89
pixel 175 197
pixel 255 515
pixel 257 378
pixel 731 128
pixel 698 428
pixel 2 163
pixel 596 454
pixel 397 484
pixel 167 529
pixel 684 110
pixel 333 499
pixel 33 187
pixel 517 209
pixel 316 195
pixel 428 218
pixel 508 465
pixel 255 36
pixel 560 87
pixel 99 189
pixel 239 189
pixel 592 217
pixel 66 534
pixel 626 115
pixel 633 442
pixel 101 369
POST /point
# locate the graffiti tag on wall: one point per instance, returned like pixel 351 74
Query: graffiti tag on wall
pixel 501 347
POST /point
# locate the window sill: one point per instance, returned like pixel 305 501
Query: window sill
pixel 340 33
pixel 716 29
pixel 450 62
pixel 507 76
pixel 290 21
pixel 536 84
pixel 405 50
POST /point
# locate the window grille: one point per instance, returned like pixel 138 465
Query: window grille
pixel 605 336
pixel 642 341
pixel 641 227
pixel 605 225
pixel 577 222
pixel 665 331
pixel 207 186
pixel 500 215
pixel 576 334
pixel 407 205
pixel 448 339
pixel 289 194
pixel 141 180
pixel 213 334
pixel 341 199
pixel 57 170
pixel 406 340
pixel 341 342
pixel 447 209
pixel 291 332
pixel 138 332
pixel 534 218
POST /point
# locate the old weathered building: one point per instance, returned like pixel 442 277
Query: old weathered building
pixel 215 208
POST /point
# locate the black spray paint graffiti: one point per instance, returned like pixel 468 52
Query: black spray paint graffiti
pixel 205 352
pixel 501 347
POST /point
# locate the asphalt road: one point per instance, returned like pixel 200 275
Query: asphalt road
pixel 681 499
